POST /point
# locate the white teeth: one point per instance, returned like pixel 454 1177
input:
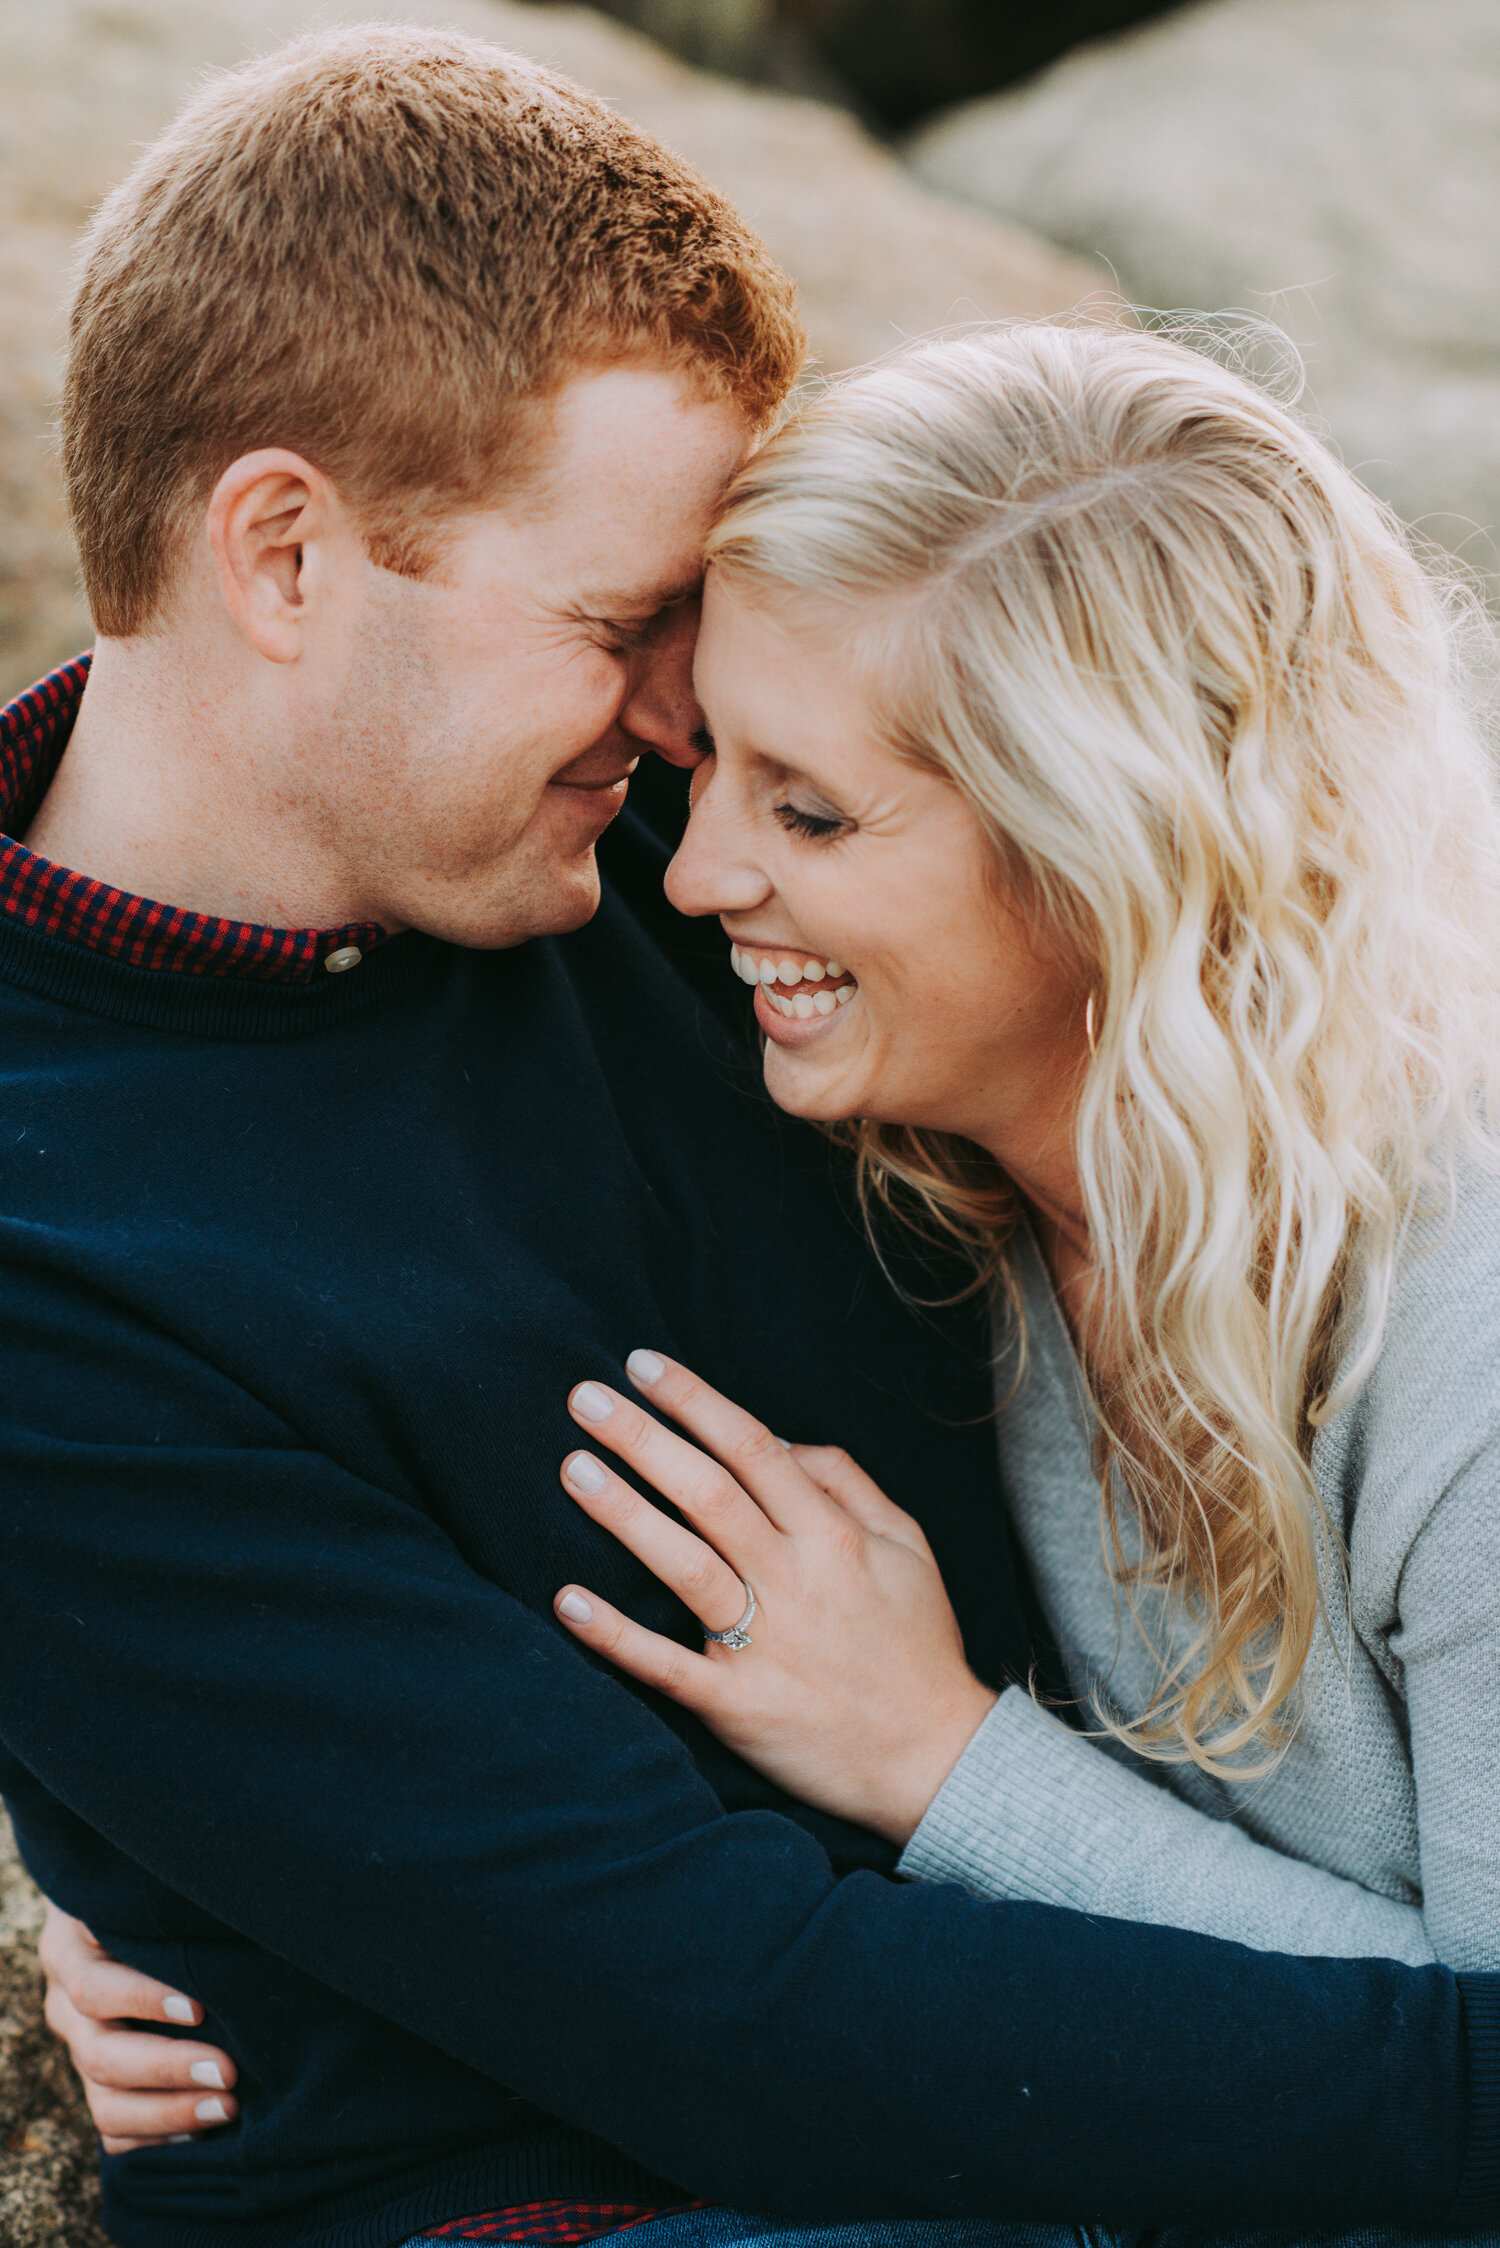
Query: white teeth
pixel 803 1008
pixel 785 970
pixel 825 1002
pixel 843 995
pixel 782 1006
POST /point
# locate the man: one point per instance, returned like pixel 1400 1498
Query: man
pixel 402 383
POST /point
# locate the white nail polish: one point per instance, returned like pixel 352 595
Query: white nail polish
pixel 208 2072
pixel 179 2009
pixel 575 1608
pixel 592 1403
pixel 585 1474
pixel 181 2139
pixel 211 2111
pixel 645 1366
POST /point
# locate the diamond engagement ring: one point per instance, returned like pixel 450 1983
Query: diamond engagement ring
pixel 738 1635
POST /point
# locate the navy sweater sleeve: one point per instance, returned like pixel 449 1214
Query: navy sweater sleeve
pixel 502 1850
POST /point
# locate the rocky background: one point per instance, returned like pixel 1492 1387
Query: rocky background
pixel 1334 164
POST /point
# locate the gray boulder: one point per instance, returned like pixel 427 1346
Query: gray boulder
pixel 877 254
pixel 1334 164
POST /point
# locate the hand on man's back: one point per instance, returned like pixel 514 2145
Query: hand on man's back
pixel 143 2088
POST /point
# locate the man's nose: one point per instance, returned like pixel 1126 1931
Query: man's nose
pixel 715 869
pixel 660 710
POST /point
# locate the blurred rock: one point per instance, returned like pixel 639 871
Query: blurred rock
pixel 728 35
pixel 1332 163
pixel 890 60
pixel 902 58
pixel 877 254
pixel 49 2195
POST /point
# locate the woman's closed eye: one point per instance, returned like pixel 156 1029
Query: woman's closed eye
pixel 818 827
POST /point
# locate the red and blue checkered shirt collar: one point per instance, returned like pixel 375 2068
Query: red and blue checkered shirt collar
pixel 37 894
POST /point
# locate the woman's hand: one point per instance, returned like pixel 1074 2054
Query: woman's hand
pixel 143 2090
pixel 853 1693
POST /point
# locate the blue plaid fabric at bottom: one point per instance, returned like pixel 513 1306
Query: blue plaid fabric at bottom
pixel 731 2228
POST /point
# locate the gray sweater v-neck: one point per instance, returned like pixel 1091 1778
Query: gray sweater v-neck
pixel 1378 1830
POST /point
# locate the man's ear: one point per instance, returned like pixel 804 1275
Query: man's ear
pixel 277 529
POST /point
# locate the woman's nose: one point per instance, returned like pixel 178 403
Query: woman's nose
pixel 715 869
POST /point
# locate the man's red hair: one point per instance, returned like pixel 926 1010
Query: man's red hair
pixel 378 247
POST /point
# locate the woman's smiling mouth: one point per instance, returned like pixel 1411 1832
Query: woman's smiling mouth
pixel 792 986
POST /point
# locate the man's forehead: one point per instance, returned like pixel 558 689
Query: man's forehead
pixel 626 469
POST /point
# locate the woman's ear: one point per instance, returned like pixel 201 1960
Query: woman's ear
pixel 275 525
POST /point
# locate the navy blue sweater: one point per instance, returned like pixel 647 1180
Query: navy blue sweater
pixel 294 1281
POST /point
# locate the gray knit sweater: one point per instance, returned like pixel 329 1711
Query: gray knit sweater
pixel 1378 1831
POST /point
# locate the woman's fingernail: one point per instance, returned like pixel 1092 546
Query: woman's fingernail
pixel 182 2138
pixel 179 2009
pixel 785 1442
pixel 211 2111
pixel 208 2072
pixel 644 1366
pixel 584 1473
pixel 592 1403
pixel 575 1608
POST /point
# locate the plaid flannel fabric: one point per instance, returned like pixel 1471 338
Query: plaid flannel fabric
pixel 557 2222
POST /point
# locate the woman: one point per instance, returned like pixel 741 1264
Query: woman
pixel 1097 813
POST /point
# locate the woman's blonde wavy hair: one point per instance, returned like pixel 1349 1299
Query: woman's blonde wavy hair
pixel 1213 710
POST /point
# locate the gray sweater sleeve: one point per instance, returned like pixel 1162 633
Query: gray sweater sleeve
pixel 1447 1640
pixel 1033 1811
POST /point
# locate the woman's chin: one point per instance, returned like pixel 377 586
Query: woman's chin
pixel 808 1064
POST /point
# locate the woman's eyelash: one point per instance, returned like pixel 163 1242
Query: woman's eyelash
pixel 816 826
